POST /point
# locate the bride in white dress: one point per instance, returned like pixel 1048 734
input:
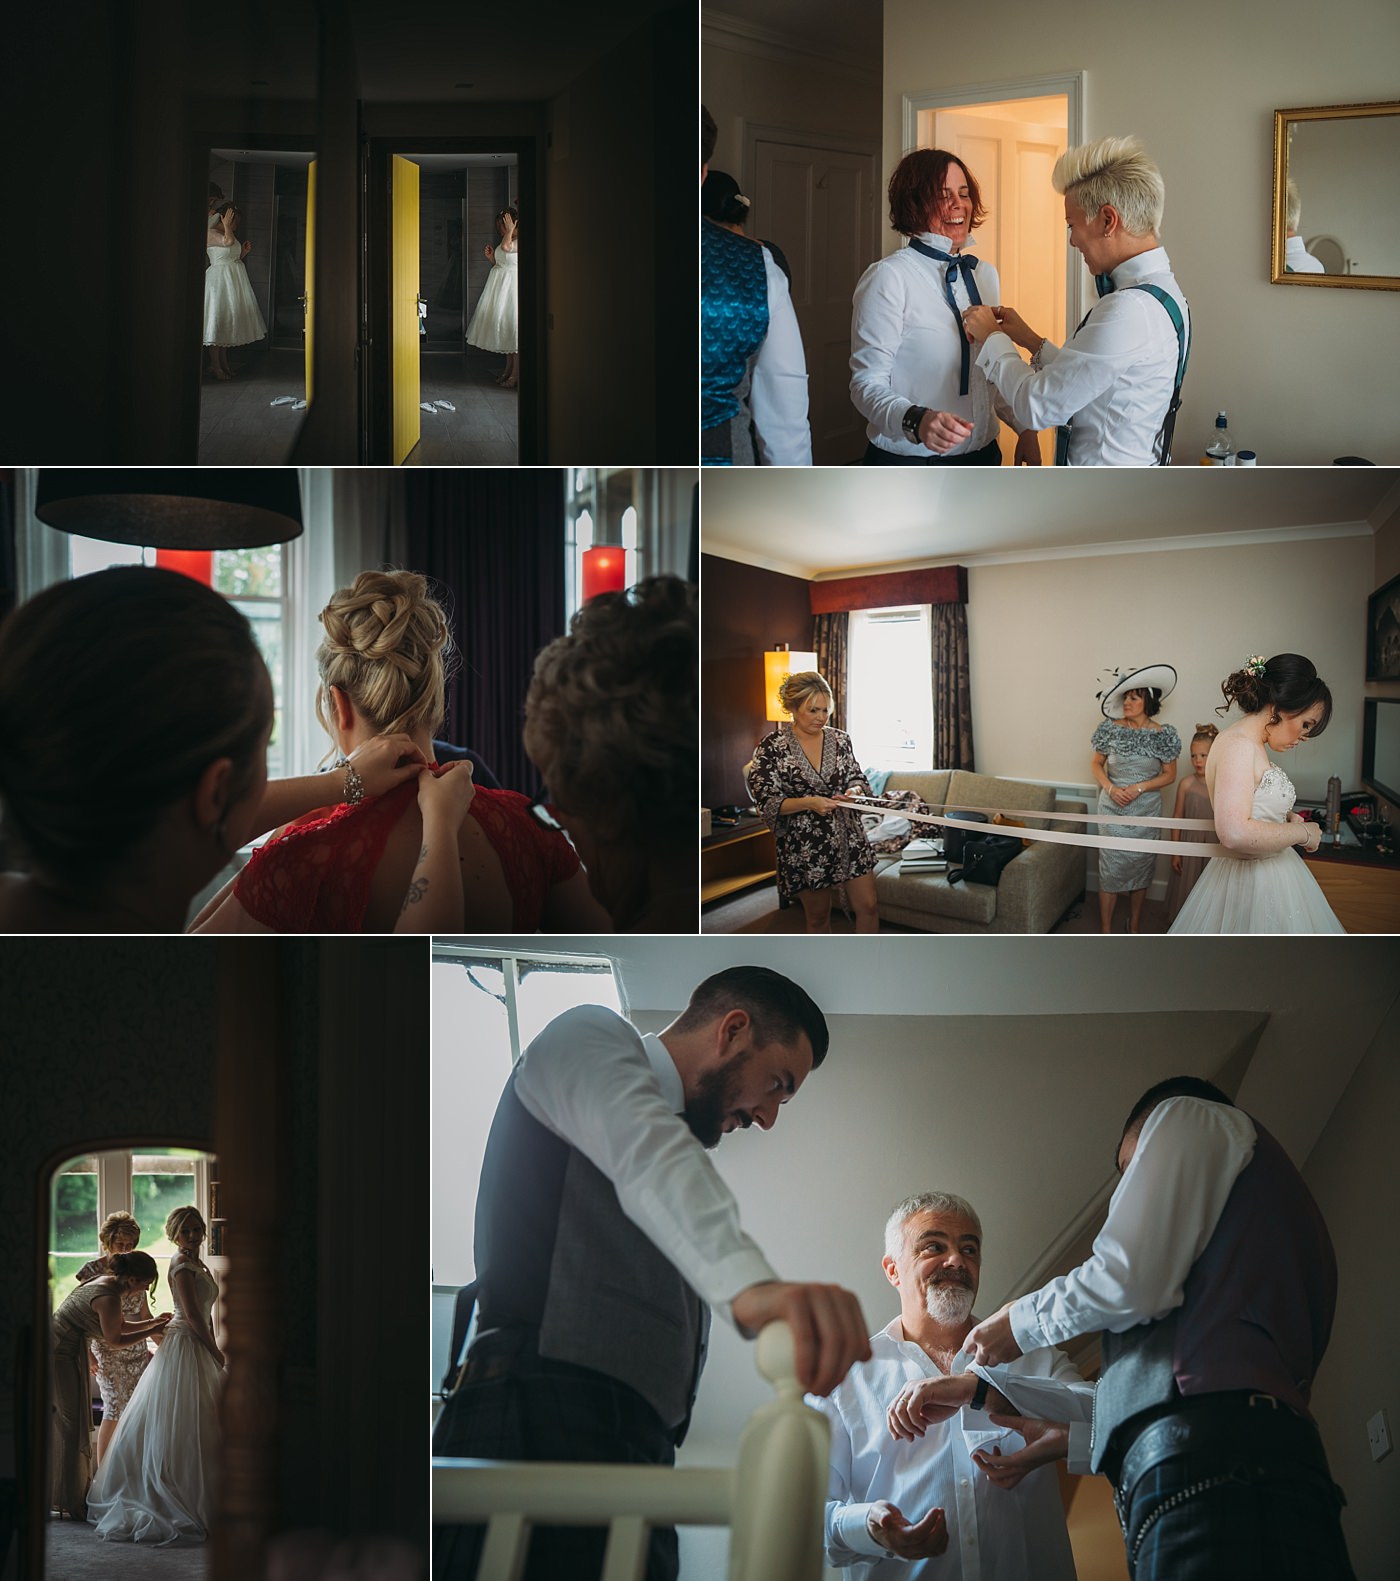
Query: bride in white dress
pixel 495 324
pixel 1259 883
pixel 157 1482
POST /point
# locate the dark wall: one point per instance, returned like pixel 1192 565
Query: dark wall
pixel 744 612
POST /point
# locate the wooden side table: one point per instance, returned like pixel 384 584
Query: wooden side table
pixel 736 857
pixel 1362 888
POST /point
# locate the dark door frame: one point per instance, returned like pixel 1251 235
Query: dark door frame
pixel 375 446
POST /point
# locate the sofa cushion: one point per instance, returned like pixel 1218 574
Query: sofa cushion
pixel 933 894
pixel 982 790
pixel 931 784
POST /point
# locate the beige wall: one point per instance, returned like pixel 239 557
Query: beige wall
pixel 1042 632
pixel 1387 566
pixel 1351 1174
pixel 743 81
pixel 1305 375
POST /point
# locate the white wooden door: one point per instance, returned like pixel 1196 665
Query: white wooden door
pixel 817 205
pixel 1024 232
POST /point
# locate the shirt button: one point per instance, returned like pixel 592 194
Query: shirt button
pixel 965 1482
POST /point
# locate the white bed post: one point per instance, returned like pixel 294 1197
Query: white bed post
pixel 781 1480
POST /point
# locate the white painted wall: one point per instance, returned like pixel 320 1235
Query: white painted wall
pixel 1341 168
pixel 1305 375
pixel 1041 632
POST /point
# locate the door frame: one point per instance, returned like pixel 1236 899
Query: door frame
pixel 1071 84
pixel 202 141
pixel 377 415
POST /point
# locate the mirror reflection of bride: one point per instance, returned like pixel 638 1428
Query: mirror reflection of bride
pixel 157 1481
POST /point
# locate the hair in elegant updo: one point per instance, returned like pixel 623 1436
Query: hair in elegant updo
pixel 1151 699
pixel 721 199
pixel 1205 733
pixel 387 647
pixel 117 691
pixel 115 1224
pixel 134 1265
pixel 1288 685
pixel 178 1220
pixel 612 713
pixel 801 685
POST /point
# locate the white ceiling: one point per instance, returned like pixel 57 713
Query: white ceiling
pixel 826 521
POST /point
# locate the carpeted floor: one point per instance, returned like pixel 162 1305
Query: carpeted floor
pixel 76 1553
pixel 756 911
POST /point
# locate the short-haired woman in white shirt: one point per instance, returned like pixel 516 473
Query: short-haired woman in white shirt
pixel 913 376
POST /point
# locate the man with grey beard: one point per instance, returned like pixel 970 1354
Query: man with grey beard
pixel 915 1477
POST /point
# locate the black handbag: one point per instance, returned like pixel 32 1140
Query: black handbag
pixel 953 836
pixel 984 858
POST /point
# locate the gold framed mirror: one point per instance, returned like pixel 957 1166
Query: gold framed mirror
pixel 1332 224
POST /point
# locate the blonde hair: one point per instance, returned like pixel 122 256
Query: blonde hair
pixel 1293 204
pixel 114 1224
pixel 1117 171
pixel 387 647
pixel 1205 733
pixel 799 686
pixel 177 1219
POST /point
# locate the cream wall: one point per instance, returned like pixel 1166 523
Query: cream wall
pixel 1041 633
pixel 1305 375
pixel 747 80
pixel 1351 1174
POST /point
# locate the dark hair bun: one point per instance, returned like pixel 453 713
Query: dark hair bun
pixel 1285 684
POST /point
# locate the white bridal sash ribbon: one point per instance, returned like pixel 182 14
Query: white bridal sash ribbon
pixel 1103 842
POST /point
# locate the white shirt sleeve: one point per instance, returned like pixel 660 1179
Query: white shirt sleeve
pixel 1062 1397
pixel 778 386
pixel 587 1079
pixel 846 1535
pixel 877 330
pixel 1160 1218
pixel 1117 335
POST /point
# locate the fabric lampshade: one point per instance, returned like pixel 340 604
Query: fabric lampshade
pixel 604 570
pixel 778 664
pixel 173 507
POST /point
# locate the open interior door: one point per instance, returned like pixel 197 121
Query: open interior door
pixel 309 289
pixel 403 307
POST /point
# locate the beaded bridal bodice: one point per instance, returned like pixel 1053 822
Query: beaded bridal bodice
pixel 1273 796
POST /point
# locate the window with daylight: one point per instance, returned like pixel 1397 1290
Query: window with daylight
pixel 889 688
pixel 253 581
pixel 486 1007
pixel 146 1182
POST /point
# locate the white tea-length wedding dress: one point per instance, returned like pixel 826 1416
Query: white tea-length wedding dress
pixel 1259 894
pixel 157 1479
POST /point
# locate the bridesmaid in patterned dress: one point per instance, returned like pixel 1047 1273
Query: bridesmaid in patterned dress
pixel 118 1367
pixel 794 776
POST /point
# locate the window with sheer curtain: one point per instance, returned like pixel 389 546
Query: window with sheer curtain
pixel 889 688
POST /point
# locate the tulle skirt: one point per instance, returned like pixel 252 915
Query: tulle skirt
pixel 493 325
pixel 158 1479
pixel 231 313
pixel 1267 894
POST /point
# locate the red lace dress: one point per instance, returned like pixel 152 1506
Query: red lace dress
pixel 315 875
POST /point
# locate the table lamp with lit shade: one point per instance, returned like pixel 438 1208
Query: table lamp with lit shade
pixel 187 509
pixel 778 664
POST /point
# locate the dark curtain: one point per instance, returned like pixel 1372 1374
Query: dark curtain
pixel 9 569
pixel 829 634
pixel 952 688
pixel 494 543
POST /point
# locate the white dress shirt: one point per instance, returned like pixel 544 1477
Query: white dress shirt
pixel 1114 377
pixel 594 1081
pixel 778 381
pixel 905 350
pixel 994 1534
pixel 1297 257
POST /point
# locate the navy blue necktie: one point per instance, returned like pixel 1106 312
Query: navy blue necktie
pixel 957 264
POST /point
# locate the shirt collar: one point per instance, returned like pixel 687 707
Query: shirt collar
pixel 663 1067
pixel 933 239
pixel 1140 266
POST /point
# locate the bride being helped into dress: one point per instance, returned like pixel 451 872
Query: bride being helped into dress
pixel 494 325
pixel 157 1482
pixel 1259 884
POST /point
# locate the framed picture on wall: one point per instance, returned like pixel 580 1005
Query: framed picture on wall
pixel 1383 633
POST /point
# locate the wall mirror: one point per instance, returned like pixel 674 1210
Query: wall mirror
pixel 1332 225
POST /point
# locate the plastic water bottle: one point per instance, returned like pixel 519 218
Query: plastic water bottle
pixel 1221 451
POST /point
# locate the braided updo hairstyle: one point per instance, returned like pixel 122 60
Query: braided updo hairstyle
pixel 388 648
pixel 1288 684
pixel 612 712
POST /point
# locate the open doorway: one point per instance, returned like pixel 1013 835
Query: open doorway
pixel 1010 135
pixel 132 1431
pixel 257 319
pixel 443 388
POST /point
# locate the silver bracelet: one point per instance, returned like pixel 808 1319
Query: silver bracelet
pixel 354 785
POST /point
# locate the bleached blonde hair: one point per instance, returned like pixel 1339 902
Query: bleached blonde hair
pixel 1117 171
pixel 387 647
pixel 1293 204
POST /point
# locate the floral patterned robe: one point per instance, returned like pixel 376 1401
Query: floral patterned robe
pixel 815 850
